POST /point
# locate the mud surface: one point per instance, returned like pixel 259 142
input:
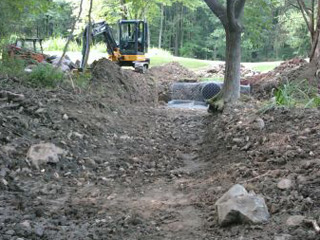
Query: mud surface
pixel 137 171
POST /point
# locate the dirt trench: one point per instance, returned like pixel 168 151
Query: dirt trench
pixel 134 170
pixel 140 185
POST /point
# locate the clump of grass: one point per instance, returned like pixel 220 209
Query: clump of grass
pixel 299 94
pixel 45 75
pixel 294 94
pixel 12 67
pixel 82 80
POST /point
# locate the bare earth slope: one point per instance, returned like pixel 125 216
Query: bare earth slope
pixel 136 171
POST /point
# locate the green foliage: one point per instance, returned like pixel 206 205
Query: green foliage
pixel 273 29
pixel 45 75
pixel 13 68
pixel 294 94
pixel 295 32
pixel 34 18
pixel 82 80
pixel 58 43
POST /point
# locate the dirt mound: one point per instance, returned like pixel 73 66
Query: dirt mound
pixel 123 86
pixel 260 151
pixel 218 72
pixel 292 70
pixel 173 72
pixel 167 74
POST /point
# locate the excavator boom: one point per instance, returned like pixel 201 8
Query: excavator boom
pixel 101 28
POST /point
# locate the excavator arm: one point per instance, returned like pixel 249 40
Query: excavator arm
pixel 100 28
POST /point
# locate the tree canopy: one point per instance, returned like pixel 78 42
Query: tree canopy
pixel 274 29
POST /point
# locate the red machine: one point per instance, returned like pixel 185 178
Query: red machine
pixel 27 49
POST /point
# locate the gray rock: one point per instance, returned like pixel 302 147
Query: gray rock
pixel 294 221
pixel 65 63
pixel 23 229
pixel 239 206
pixel 285 184
pixel 3 172
pixel 39 230
pixel 259 123
pixel 283 237
pixel 235 191
pixel 44 153
pixel 10 232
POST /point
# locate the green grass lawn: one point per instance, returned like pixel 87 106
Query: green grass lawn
pixel 160 57
pixel 186 62
pixel 194 64
pixel 265 66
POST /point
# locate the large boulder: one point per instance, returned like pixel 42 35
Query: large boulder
pixel 238 206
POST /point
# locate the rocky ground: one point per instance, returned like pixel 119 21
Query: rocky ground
pixel 133 170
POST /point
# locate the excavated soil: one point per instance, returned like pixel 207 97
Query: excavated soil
pixel 294 70
pixel 166 75
pixel 121 86
pixel 137 171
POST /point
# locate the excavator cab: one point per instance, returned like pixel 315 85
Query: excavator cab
pixel 133 44
pixel 133 37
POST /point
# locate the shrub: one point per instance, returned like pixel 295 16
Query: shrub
pixel 13 68
pixel 45 75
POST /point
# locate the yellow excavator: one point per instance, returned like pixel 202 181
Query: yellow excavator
pixel 130 48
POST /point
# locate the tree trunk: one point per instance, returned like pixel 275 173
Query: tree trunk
pixel 161 26
pixel 89 39
pixel 315 48
pixel 176 40
pixel 230 17
pixel 71 35
pixel 233 63
pixel 181 26
pixel 177 30
pixel 315 51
